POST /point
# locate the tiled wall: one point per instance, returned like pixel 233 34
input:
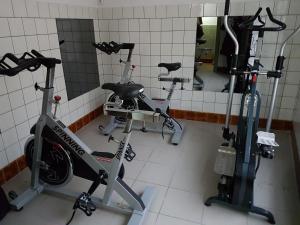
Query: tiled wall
pixel 26 25
pixel 167 34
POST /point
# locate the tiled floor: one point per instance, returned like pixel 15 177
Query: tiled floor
pixel 183 176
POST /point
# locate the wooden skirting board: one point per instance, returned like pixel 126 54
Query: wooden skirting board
pixel 19 164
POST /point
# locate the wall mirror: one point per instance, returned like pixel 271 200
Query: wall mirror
pixel 213 53
pixel 79 57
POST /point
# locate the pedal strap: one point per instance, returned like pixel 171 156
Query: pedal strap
pixel 85 204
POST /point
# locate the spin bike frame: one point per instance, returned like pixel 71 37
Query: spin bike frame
pixel 54 130
pixel 161 104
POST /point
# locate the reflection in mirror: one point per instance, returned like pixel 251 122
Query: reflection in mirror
pixel 213 53
pixel 79 57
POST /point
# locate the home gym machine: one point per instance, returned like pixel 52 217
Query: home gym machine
pixel 143 101
pixel 238 160
pixel 54 153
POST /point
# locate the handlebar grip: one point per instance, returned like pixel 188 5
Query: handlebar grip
pixel 249 21
pixel 37 54
pixel 227 6
pixel 12 58
pixel 174 79
pixel 282 25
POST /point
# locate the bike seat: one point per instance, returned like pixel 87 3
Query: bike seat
pixel 124 91
pixel 170 66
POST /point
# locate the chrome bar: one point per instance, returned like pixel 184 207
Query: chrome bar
pixel 233 76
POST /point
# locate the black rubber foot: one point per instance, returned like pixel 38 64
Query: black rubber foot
pixel 175 144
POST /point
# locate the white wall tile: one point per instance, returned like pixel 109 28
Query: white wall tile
pixel 184 10
pixel 172 11
pixel 54 10
pixel 9 137
pixel 3 159
pixel 12 83
pixel 210 9
pixel 161 11
pixel 6 9
pixel 32 42
pixel 178 24
pixel 63 11
pixel 167 24
pixel 209 96
pixel 155 37
pixel 43 8
pixel 237 8
pixel 117 13
pixel 6 121
pixel 43 41
pixel 178 36
pixel 155 24
pixel 294 7
pixel 29 26
pixel 13 152
pixel 144 24
pixel 251 8
pixel 196 10
pixel 32 109
pixel 208 107
pixel 16 99
pixel 51 26
pixel 138 12
pixel 41 26
pixel 19 8
pixel 19 44
pixel 127 12
pixel 23 130
pixel 16 26
pixel 5 45
pixel 4 31
pixel 149 12
pixel 190 23
pixel 220 108
pixel 190 37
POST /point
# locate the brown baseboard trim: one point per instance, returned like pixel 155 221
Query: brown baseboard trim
pixel 16 166
pixel 295 150
pixel 220 118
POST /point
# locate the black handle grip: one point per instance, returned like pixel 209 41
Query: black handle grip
pixel 12 57
pixel 174 79
pixel 249 22
pixel 227 6
pixel 281 25
pixel 37 54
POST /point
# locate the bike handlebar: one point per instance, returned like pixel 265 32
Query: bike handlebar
pixel 248 24
pixel 30 61
pixel 112 47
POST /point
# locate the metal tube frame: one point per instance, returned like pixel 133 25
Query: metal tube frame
pixel 138 206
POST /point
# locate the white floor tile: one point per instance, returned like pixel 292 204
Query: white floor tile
pixel 167 220
pixel 214 215
pixel 156 173
pixel 184 205
pixel 183 176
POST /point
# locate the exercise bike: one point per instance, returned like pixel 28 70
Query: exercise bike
pixel 143 101
pixel 54 154
pixel 238 159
